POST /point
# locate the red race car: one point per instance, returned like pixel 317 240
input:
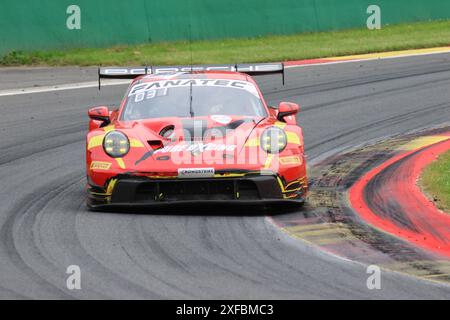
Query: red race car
pixel 194 135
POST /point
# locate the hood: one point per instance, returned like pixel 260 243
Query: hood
pixel 193 141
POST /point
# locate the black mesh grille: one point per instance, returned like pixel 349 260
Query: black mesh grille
pixel 197 190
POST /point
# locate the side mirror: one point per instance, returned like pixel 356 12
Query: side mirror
pixel 287 110
pixel 100 114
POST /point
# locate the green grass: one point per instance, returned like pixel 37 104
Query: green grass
pixel 262 49
pixel 435 181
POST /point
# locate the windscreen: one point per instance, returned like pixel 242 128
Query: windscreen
pixel 189 98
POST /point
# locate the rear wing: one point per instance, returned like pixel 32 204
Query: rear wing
pixel 131 73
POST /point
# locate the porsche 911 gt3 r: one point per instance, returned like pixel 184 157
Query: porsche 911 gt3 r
pixel 194 134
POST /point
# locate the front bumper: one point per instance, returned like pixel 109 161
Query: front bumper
pixel 136 191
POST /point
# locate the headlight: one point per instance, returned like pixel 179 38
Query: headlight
pixel 116 144
pixel 273 140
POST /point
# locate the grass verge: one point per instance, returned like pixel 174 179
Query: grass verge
pixel 435 181
pixel 262 49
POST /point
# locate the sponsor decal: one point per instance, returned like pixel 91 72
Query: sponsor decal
pixel 100 165
pixel 170 70
pixel 164 76
pixel 182 69
pixel 290 160
pixel 196 172
pixel 196 148
pixel 73 21
pixel 221 119
pixel 262 67
pixel 150 94
pixel 123 71
pixel 179 83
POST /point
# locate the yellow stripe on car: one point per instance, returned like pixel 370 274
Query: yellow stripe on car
pixel 121 163
pixel 229 175
pixel 95 141
pixel 293 138
pixel 280 124
pixel 110 187
pixel 134 143
pixel 109 128
pixel 285 189
pixel 254 142
pixel 269 160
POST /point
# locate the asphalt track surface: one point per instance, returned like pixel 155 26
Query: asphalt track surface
pixel 45 227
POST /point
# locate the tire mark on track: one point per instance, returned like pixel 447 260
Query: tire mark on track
pixel 387 122
pixel 351 83
pixel 315 107
pixel 25 217
pixel 21 152
pixel 27 209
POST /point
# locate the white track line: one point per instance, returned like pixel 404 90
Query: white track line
pixel 93 84
pixel 62 87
